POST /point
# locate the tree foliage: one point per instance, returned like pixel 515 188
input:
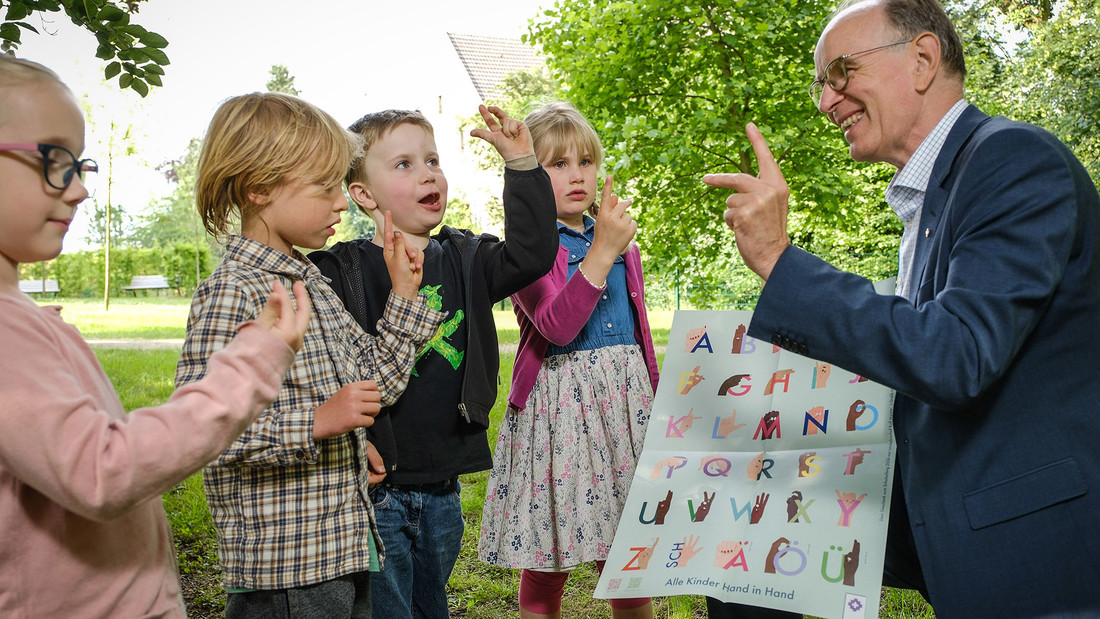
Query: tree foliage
pixel 670 86
pixel 281 80
pixel 1055 78
pixel 174 218
pixel 132 54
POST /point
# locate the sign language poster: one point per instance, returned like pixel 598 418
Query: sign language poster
pixel 764 479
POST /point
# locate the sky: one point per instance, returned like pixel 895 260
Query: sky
pixel 349 57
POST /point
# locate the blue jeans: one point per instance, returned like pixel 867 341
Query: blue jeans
pixel 421 528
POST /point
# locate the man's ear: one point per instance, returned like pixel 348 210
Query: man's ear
pixel 362 196
pixel 927 49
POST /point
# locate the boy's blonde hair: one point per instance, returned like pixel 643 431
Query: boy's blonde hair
pixel 371 128
pixel 16 72
pixel 557 126
pixel 257 142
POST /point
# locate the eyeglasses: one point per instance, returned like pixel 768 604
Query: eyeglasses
pixel 836 72
pixel 59 164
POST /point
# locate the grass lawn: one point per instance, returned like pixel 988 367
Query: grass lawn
pixel 476 591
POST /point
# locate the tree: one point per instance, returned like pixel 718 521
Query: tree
pixel 98 223
pixel 520 92
pixel 670 86
pixel 133 54
pixel 1055 77
pixel 281 80
pixel 173 218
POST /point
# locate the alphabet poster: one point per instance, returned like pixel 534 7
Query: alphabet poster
pixel 764 478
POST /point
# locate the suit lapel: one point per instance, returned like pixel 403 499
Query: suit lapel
pixel 937 193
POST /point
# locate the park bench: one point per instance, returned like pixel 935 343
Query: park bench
pixel 39 286
pixel 147 282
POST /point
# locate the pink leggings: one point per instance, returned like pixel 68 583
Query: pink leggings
pixel 540 592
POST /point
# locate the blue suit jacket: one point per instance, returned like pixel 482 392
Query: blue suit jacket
pixel 996 360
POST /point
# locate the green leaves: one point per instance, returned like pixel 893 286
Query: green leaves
pixel 134 55
pixel 670 86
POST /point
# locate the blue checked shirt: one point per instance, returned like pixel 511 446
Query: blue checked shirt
pixel 291 511
pixel 905 193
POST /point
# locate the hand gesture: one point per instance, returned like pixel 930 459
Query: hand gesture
pixel 755 467
pixel 758 507
pixel 729 424
pixel 279 316
pixel 693 336
pixel 769 563
pixel 615 227
pixel 663 507
pixel 509 136
pixel 647 554
pixel 672 462
pixel 757 212
pixel 376 467
pixel 851 564
pixel 855 411
pixel 689 550
pixel 404 262
pixel 726 553
pixel 353 406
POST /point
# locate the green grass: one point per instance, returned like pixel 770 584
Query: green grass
pixel 147 318
pixel 476 590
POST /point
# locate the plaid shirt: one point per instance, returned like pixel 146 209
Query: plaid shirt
pixel 291 511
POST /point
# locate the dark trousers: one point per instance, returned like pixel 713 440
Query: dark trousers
pixel 347 596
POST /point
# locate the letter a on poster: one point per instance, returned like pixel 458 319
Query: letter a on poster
pixel 764 478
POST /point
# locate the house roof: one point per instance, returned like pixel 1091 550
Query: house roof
pixel 489 59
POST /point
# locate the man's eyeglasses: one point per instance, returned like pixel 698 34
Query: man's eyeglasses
pixel 836 72
pixel 59 164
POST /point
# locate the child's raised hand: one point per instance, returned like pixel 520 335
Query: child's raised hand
pixel 279 315
pixel 615 227
pixel 353 406
pixel 509 136
pixel 404 262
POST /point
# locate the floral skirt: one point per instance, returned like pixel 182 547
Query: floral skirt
pixel 563 465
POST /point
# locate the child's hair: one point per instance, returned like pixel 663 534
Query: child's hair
pixel 372 127
pixel 18 72
pixel 558 125
pixel 257 142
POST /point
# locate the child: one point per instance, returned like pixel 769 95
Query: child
pixel 436 431
pixel 289 497
pixel 582 384
pixel 84 530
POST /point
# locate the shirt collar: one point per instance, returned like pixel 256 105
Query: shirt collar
pixel 912 179
pixel 589 226
pixel 256 254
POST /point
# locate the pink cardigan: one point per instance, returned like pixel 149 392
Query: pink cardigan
pixel 553 310
pixel 82 528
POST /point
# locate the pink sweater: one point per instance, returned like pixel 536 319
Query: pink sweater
pixel 554 309
pixel 82 529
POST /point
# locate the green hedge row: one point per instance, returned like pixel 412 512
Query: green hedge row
pixel 80 274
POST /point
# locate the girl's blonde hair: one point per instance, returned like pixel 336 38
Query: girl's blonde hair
pixel 259 141
pixel 16 72
pixel 557 126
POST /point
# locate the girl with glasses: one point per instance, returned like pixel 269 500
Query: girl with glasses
pixel 84 531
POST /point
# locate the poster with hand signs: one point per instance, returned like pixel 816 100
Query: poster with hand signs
pixel 764 478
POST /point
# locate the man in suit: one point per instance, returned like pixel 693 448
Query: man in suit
pixel 993 341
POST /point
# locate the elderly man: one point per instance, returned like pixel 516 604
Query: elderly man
pixel 993 340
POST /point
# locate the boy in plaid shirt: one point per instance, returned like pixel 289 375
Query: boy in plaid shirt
pixel 289 497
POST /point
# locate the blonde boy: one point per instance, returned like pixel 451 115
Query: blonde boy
pixel 289 497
